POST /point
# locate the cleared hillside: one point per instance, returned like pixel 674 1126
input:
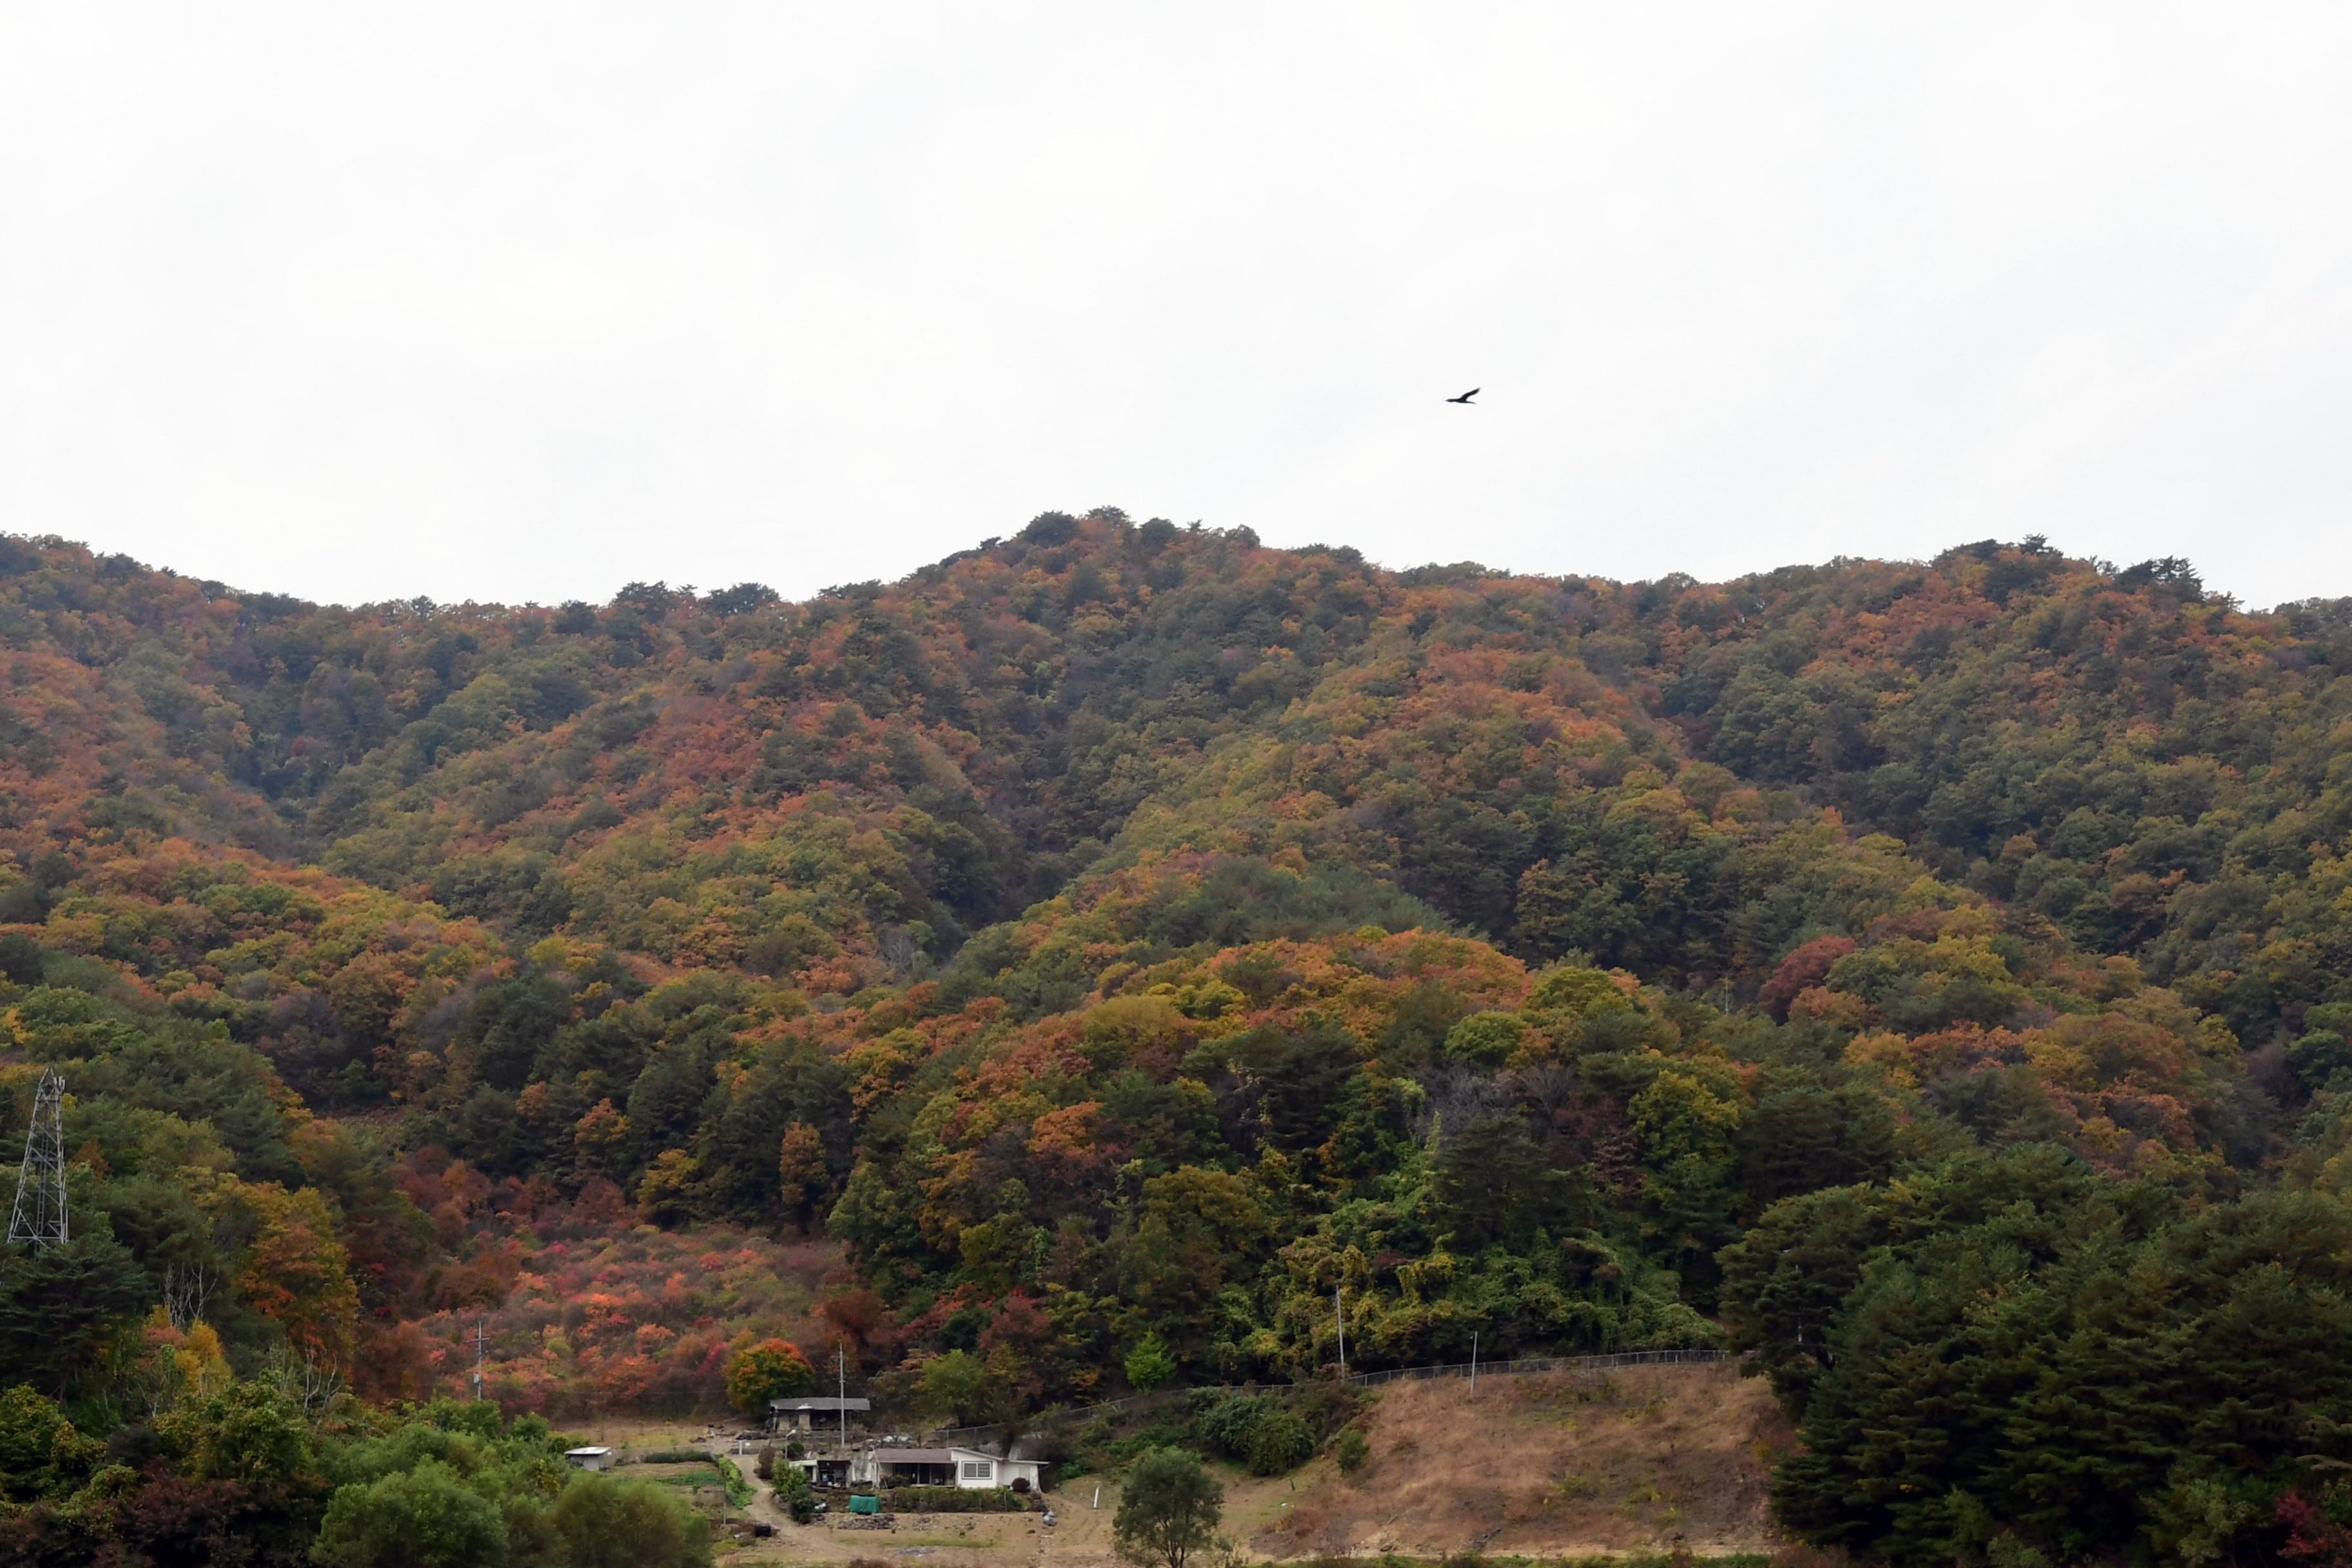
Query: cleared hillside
pixel 1638 1459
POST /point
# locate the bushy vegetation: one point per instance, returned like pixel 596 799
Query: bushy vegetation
pixel 1101 959
pixel 956 1499
pixel 1269 1433
pixel 245 1473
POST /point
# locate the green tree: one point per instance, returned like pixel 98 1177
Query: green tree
pixel 1485 1039
pixel 772 1369
pixel 1169 1511
pixel 670 1192
pixel 41 1452
pixel 956 1386
pixel 1490 1185
pixel 1149 1364
pixel 247 1433
pixel 606 1523
pixel 421 1518
pixel 601 1141
pixel 1785 1282
pixel 59 1306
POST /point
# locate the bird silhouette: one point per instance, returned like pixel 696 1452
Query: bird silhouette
pixel 1466 396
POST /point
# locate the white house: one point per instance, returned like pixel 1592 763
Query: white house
pixel 973 1470
pixel 590 1459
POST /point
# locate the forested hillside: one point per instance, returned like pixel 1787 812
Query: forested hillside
pixel 1932 979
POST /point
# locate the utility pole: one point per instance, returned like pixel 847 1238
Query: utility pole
pixel 1340 1314
pixel 39 1216
pixel 841 1391
pixel 478 1324
pixel 1473 1360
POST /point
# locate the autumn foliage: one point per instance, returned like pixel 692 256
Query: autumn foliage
pixel 772 1369
pixel 1103 947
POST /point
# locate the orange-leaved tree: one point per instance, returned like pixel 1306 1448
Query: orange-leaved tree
pixel 771 1369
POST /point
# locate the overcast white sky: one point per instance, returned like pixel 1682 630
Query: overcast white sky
pixel 524 302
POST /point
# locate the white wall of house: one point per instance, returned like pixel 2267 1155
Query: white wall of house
pixel 976 1472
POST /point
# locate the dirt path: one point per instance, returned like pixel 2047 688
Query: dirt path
pixel 763 1505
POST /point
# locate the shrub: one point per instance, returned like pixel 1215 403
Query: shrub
pixel 956 1499
pixel 793 1491
pixel 739 1490
pixel 426 1517
pixel 1279 1442
pixel 1254 1429
pixel 1149 1364
pixel 1351 1450
pixel 601 1520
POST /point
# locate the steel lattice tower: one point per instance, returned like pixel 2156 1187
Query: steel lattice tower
pixel 40 1214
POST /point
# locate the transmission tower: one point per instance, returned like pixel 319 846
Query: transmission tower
pixel 39 1216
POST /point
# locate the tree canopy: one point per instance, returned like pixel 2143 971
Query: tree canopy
pixel 1119 939
pixel 1168 1511
pixel 772 1369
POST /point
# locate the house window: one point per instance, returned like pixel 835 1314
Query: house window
pixel 978 1469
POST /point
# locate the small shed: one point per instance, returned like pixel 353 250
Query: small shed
pixel 592 1458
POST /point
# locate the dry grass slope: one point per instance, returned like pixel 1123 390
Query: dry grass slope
pixel 1564 1465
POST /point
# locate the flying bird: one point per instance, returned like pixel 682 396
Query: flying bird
pixel 1466 396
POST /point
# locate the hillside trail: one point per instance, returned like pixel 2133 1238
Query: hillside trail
pixel 745 1457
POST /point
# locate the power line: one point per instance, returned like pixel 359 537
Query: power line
pixel 39 1216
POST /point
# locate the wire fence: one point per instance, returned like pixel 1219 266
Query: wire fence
pixel 1525 1364
pixel 1516 1367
